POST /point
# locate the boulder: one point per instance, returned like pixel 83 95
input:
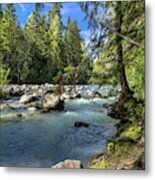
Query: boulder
pixel 68 164
pixel 79 124
pixel 28 98
pixel 52 101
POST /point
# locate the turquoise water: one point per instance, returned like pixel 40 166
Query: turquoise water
pixel 41 140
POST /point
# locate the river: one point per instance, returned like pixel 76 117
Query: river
pixel 42 140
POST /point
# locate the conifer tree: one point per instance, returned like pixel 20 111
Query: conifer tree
pixel 54 42
pixel 9 35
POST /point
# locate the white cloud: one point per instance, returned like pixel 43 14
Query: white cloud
pixel 22 7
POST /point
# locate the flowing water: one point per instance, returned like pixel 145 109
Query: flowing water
pixel 41 140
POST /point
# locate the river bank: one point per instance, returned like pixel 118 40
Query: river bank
pixel 126 149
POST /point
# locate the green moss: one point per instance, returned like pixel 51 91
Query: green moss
pixel 110 147
pixel 123 156
pixel 133 132
pixel 121 149
pixel 102 164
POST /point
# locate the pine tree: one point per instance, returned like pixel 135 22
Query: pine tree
pixel 9 36
pixel 73 43
pixel 35 29
pixel 54 42
pixel 73 51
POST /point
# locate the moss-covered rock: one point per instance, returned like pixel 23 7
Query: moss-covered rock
pixel 133 132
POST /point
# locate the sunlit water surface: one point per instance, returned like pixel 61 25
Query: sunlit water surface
pixel 41 140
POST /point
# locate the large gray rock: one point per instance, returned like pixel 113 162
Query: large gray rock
pixel 52 102
pixel 68 164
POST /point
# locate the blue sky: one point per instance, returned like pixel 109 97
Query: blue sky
pixel 71 9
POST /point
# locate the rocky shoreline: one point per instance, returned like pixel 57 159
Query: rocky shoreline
pixel 69 91
pixel 126 149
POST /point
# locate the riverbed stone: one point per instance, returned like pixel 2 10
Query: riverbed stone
pixel 52 101
pixel 68 164
pixel 16 91
pixel 32 109
pixel 4 106
pixel 28 98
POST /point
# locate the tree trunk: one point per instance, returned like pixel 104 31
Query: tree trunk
pixel 125 90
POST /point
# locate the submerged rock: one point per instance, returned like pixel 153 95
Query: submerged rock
pixel 52 102
pixel 79 124
pixel 19 115
pixel 68 164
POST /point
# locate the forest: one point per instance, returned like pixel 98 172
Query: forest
pixel 46 50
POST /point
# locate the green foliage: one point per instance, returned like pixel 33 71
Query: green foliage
pixel 8 39
pixel 135 111
pixel 106 29
pixel 78 66
pixel 54 42
pixel 4 73
pixel 73 43
pixel 43 49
